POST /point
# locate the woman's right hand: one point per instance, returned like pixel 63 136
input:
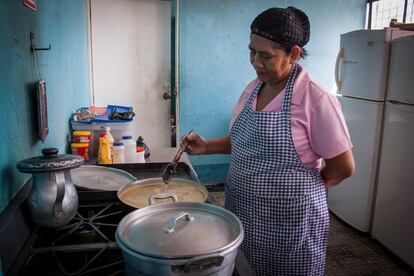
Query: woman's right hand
pixel 196 144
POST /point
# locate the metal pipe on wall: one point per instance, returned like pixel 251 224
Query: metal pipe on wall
pixel 177 70
pixel 91 80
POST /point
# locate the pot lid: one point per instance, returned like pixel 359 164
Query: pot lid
pixel 100 178
pixel 49 161
pixel 180 230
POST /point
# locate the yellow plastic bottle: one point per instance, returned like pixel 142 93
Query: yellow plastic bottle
pixel 104 152
pixel 110 138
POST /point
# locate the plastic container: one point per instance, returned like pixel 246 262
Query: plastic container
pixel 81 136
pixel 108 132
pixel 130 152
pixel 81 149
pixel 110 138
pixel 118 153
pixel 140 154
pixel 104 154
pixel 140 143
pixel 118 130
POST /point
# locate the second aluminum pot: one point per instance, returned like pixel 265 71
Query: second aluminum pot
pixel 180 238
pixel 152 191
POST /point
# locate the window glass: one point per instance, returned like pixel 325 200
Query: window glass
pixel 385 10
pixel 410 12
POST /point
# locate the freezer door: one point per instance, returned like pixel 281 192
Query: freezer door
pixel 352 199
pixel 364 63
pixel 401 79
pixel 393 223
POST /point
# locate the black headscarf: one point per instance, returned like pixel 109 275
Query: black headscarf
pixel 288 26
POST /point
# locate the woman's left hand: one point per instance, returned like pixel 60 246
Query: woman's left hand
pixel 338 168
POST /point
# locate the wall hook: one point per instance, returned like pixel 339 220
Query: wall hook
pixel 33 47
pixel 42 49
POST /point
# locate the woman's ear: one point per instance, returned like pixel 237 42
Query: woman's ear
pixel 295 53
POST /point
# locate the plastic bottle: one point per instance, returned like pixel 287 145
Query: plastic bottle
pixel 104 152
pixel 118 153
pixel 129 149
pixel 108 132
pixel 140 143
pixel 140 155
pixel 110 137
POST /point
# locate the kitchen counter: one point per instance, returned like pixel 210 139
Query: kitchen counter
pixel 159 155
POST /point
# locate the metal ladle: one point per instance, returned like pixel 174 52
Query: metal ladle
pixel 170 169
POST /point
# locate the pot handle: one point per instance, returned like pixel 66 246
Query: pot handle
pixel 199 263
pixel 59 178
pixel 153 197
pixel 173 222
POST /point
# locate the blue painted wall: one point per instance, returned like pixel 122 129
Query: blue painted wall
pixel 63 24
pixel 214 58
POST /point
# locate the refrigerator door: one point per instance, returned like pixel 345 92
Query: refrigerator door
pixel 362 63
pixel 363 70
pixel 400 76
pixel 393 223
pixel 352 199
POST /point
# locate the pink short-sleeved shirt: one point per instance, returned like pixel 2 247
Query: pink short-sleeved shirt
pixel 319 130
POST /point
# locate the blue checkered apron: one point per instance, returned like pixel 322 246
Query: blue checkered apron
pixel 281 203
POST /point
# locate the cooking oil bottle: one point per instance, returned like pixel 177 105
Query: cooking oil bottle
pixel 104 152
pixel 110 138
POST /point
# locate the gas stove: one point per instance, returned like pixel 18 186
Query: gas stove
pixel 86 246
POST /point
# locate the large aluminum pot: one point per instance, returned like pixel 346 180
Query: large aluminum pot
pixel 152 191
pixel 53 200
pixel 181 238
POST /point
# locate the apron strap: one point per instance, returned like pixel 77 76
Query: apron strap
pixel 289 88
pixel 254 94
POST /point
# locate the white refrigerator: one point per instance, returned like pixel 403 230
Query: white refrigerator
pixel 393 223
pixel 361 76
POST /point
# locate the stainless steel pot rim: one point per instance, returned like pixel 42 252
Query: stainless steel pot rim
pixel 180 259
pixel 150 251
pixel 107 182
pixel 149 181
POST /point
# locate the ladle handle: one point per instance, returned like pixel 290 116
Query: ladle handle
pixel 180 151
pixel 169 170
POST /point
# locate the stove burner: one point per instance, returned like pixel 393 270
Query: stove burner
pixel 86 246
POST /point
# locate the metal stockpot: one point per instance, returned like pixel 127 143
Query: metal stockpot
pixel 180 238
pixel 53 200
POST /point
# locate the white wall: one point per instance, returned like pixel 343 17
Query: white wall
pixel 131 53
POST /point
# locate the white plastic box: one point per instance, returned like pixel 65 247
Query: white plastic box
pixel 117 130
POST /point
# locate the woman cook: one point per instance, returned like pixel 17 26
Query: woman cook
pixel 284 125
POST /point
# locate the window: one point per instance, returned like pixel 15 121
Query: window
pixel 410 12
pixel 380 12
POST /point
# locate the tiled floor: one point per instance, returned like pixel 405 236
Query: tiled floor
pixel 351 253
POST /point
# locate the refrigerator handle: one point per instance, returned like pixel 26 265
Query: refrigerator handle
pixel 399 103
pixel 338 59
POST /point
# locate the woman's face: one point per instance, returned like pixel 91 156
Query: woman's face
pixel 271 63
